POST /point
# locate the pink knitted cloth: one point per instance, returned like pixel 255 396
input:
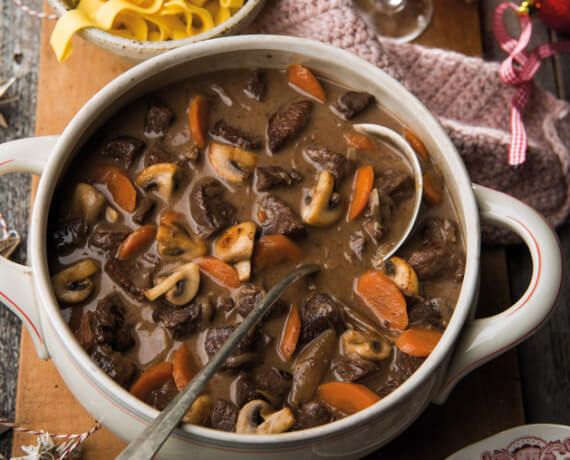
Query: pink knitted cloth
pixel 464 93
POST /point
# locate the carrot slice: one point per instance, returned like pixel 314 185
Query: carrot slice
pixel 183 367
pixel 418 341
pixel 198 118
pixel 360 142
pixel 384 299
pixel 152 378
pixel 416 143
pixel 222 273
pixel 433 187
pixel 120 186
pixel 136 240
pixel 290 334
pixel 348 398
pixel 363 182
pixel 303 78
pixel 273 250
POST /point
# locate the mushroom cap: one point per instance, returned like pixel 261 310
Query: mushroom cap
pixel 160 175
pixel 87 202
pixel 236 243
pixel 230 162
pixel 175 238
pixel 402 273
pixel 317 209
pixel 72 285
pixel 366 346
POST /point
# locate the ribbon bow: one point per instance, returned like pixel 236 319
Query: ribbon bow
pixel 518 69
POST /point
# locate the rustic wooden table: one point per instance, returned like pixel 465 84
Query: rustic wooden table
pixel 530 384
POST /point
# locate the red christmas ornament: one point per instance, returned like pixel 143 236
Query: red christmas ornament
pixel 554 13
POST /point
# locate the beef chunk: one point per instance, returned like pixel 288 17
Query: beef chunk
pixel 224 132
pixel 357 243
pixel 273 381
pixel 84 333
pixel 224 304
pixel 320 313
pixel 352 369
pixel 125 272
pixel 243 390
pixel 404 365
pixel 268 177
pixel 312 414
pixel 255 86
pixel 434 261
pixel 144 209
pixel 396 183
pixel 335 163
pixel 428 312
pixel 158 118
pixel 216 337
pixel 108 237
pixel 120 369
pixel 285 124
pixel 122 149
pixel 208 208
pixel 249 295
pixel 352 103
pixel 156 155
pixel 277 218
pixel 247 298
pixel 160 397
pixel 180 321
pixel 69 235
pixel 224 416
pixel 109 324
pixel 439 231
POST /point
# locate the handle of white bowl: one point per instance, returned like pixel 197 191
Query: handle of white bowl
pixel 483 339
pixel 16 284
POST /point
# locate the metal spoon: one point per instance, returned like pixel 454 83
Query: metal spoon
pixel 145 446
pixel 409 154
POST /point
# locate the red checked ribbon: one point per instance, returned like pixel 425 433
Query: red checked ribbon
pixel 518 69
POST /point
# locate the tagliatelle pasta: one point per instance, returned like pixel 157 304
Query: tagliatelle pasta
pixel 142 20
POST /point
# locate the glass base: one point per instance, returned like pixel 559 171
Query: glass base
pixel 400 20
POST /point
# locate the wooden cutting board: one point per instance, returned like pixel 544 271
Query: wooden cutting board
pixel 486 401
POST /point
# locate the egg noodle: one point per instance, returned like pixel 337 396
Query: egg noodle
pixel 143 20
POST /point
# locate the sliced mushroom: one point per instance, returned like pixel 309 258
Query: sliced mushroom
pixel 366 346
pixel 230 162
pixel 278 422
pixel 321 206
pixel 258 417
pixel 87 202
pixel 179 287
pixel 175 238
pixel 73 285
pixel 159 175
pixel 235 245
pixel 402 273
pixel 199 411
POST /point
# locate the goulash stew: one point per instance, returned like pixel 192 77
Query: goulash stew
pixel 180 213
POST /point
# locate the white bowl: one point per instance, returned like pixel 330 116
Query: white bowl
pixel 137 51
pixel 466 343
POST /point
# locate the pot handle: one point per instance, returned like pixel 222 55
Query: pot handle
pixel 16 283
pixel 483 339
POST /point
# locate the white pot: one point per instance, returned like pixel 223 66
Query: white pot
pixel 466 343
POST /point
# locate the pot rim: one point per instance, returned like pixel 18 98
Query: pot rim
pixel 146 71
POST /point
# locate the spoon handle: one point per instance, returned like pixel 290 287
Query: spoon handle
pixel 145 446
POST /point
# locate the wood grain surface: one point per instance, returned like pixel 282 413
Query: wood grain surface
pixel 486 401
